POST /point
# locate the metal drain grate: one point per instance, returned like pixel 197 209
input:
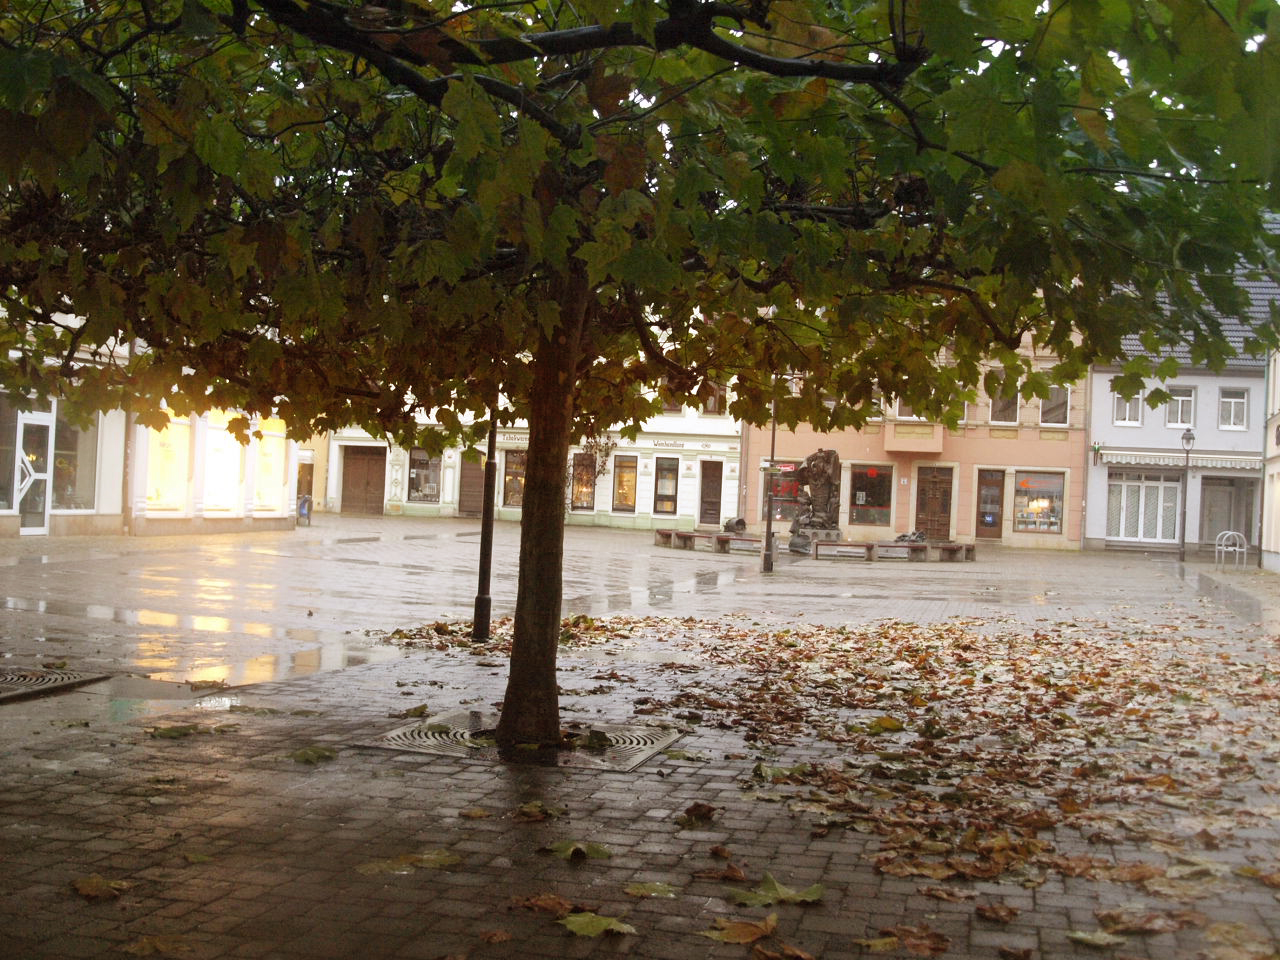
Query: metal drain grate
pixel 17 683
pixel 468 733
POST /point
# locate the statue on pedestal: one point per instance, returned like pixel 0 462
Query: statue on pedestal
pixel 818 516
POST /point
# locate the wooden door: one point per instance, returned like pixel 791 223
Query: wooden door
pixel 709 498
pixel 933 502
pixel 990 521
pixel 364 478
pixel 471 489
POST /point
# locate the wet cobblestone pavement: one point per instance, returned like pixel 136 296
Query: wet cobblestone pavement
pixel 248 820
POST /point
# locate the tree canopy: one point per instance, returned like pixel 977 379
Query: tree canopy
pixel 388 214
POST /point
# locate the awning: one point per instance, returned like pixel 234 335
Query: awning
pixel 1168 458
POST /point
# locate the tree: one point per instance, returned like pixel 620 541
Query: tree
pixel 358 214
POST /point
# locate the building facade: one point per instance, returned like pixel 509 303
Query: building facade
pixel 681 471
pixel 1176 475
pixel 60 477
pixel 1012 472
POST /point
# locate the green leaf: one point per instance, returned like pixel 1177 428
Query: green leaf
pixel 313 754
pixel 578 850
pixel 593 924
pixel 771 891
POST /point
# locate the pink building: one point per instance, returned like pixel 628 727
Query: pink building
pixel 1014 472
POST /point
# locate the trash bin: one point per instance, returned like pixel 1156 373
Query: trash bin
pixel 304 509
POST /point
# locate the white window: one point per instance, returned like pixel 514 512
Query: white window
pixel 1053 408
pixel 1004 409
pixel 1142 507
pixel 1177 412
pixel 907 412
pixel 1231 406
pixel 1128 413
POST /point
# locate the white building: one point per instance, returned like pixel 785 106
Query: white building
pixel 1197 456
pixel 680 471
pixel 62 478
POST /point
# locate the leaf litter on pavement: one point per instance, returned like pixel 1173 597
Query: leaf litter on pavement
pixel 1115 752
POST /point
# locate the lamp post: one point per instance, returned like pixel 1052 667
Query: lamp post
pixel 766 556
pixel 1188 441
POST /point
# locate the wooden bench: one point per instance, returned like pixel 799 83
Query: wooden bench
pixel 662 538
pixel 955 552
pixel 688 539
pixel 911 550
pixel 725 541
pixel 836 548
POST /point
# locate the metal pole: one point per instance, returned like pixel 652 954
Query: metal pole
pixel 484 603
pixel 1186 491
pixel 766 562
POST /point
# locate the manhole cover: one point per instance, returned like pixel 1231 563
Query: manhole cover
pixel 17 683
pixel 469 733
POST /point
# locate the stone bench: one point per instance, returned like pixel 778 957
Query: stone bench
pixel 955 552
pixel 836 548
pixel 914 551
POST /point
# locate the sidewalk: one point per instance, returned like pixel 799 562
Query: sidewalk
pixel 255 822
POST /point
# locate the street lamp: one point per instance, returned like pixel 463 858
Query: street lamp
pixel 1188 441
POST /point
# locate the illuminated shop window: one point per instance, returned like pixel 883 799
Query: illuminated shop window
pixel 513 466
pixel 269 478
pixel 1037 501
pixel 223 465
pixel 169 465
pixel 624 484
pixel 786 492
pixel 584 482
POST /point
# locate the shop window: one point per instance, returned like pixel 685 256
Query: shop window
pixel 1054 407
pixel 624 483
pixel 666 477
pixel 1178 409
pixel 786 492
pixel 8 451
pixel 223 465
pixel 717 401
pixel 871 495
pixel 513 466
pixel 270 476
pixel 75 465
pixel 424 477
pixel 1126 411
pixel 584 482
pixel 169 465
pixel 1231 408
pixel 1037 501
pixel 1004 409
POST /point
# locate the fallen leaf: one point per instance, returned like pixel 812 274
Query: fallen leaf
pixel 475 813
pixel 551 903
pixel 721 851
pixel 950 894
pixel 997 912
pixel 1014 953
pixel 406 863
pixel 918 940
pixel 95 886
pixel 536 810
pixel 730 873
pixel 494 936
pixel 771 891
pixel 741 931
pixel 785 952
pixel 878 944
pixel 313 754
pixel 696 814
pixel 1098 939
pixel 174 733
pixel 593 924
pixel 578 850
pixel 1140 920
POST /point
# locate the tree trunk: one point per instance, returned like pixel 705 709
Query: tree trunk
pixel 531 707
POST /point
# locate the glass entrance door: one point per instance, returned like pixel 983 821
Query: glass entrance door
pixel 32 493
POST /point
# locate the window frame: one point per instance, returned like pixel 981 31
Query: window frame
pixel 419 459
pixel 511 495
pixel 871 471
pixel 1055 522
pixel 1053 398
pixel 1177 401
pixel 666 468
pixel 991 415
pixel 1132 405
pixel 625 464
pixel 581 469
pixel 1241 403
